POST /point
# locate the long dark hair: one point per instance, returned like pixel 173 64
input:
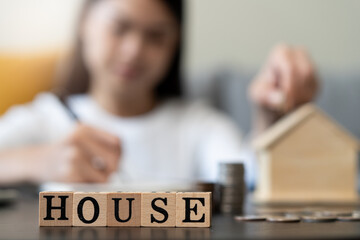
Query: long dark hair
pixel 75 77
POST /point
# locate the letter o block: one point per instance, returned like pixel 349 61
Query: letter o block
pixel 124 209
pixel 193 209
pixel 158 209
pixel 55 209
pixel 89 209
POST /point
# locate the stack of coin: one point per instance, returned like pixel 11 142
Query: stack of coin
pixel 231 186
pixel 209 187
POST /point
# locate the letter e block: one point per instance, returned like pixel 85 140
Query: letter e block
pixel 158 209
pixel 193 209
pixel 55 209
pixel 124 209
pixel 89 209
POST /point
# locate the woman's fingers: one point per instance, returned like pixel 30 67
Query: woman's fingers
pixel 101 157
pixel 308 76
pixel 101 137
pixel 288 80
pixel 99 145
pixel 88 172
pixel 77 168
pixel 99 151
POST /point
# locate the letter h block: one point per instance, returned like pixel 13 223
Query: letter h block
pixel 55 209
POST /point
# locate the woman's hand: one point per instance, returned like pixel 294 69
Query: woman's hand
pixel 287 81
pixel 87 155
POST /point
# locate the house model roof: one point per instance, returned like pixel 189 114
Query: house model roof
pixel 285 126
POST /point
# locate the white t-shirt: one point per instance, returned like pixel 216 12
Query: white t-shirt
pixel 177 141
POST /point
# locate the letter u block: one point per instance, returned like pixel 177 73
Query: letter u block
pixel 55 209
pixel 158 209
pixel 124 209
pixel 89 209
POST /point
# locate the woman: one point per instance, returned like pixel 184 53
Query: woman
pixel 124 87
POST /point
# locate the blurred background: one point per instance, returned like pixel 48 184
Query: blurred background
pixel 227 41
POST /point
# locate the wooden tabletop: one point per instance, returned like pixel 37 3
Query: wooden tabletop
pixel 20 221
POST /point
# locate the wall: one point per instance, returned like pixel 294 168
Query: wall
pixel 236 32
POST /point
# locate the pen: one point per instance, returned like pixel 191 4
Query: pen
pixel 96 161
pixel 69 111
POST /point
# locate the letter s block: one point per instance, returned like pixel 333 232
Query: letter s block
pixel 89 209
pixel 158 209
pixel 193 209
pixel 124 209
pixel 55 209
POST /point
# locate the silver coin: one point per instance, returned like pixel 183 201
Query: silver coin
pixel 232 169
pixel 356 213
pixel 231 165
pixel 235 210
pixel 250 218
pixel 229 181
pixel 205 187
pixel 231 173
pixel 238 173
pixel 232 194
pixel 232 201
pixel 232 189
pixel 318 219
pixel 283 219
pixel 292 215
pixel 348 218
pixel 231 207
pixel 324 214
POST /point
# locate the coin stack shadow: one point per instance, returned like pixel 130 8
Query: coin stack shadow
pixel 231 186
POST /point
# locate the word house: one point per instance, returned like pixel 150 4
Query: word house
pixel 125 209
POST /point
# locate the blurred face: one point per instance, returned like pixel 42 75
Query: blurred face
pixel 129 45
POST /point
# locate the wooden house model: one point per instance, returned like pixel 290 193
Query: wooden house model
pixel 306 157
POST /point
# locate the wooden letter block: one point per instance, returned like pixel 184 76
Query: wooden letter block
pixel 193 209
pixel 158 209
pixel 124 209
pixel 89 209
pixel 55 208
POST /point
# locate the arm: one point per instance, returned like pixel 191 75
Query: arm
pixel 31 149
pixel 71 160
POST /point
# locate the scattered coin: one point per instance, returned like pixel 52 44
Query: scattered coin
pixel 318 219
pixel 348 218
pixel 290 215
pixel 250 218
pixel 356 213
pixel 336 213
pixel 283 219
